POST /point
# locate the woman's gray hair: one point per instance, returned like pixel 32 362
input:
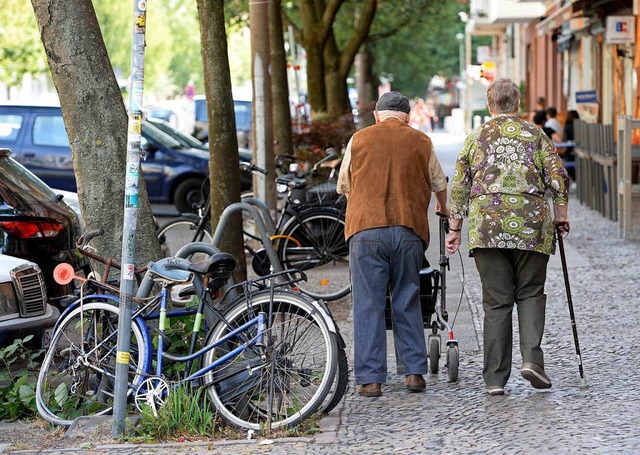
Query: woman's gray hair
pixel 503 97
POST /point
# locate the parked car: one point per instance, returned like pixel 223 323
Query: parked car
pixel 38 231
pixel 242 111
pixel 24 306
pixel 36 134
pixel 190 141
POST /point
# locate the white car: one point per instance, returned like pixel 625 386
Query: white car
pixel 23 299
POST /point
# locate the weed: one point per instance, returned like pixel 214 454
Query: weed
pixel 186 413
pixel 17 387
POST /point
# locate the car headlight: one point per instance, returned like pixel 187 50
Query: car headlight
pixel 8 301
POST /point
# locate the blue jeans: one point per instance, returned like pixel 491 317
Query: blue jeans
pixel 382 259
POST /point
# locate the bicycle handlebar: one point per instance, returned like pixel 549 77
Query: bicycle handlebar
pixel 252 167
pixel 84 239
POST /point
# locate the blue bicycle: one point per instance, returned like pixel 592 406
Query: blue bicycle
pixel 268 361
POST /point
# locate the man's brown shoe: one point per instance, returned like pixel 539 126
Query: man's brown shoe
pixel 416 383
pixel 370 390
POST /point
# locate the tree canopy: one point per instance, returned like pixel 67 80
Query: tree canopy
pixel 20 47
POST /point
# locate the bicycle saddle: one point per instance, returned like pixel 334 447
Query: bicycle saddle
pixel 220 264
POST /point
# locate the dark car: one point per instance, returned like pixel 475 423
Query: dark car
pixel 38 231
pixel 242 110
pixel 190 141
pixel 36 134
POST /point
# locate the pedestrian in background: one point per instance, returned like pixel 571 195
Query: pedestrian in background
pixel 501 176
pixel 553 123
pixel 388 173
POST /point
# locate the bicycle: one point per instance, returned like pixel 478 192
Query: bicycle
pixel 308 236
pixel 269 360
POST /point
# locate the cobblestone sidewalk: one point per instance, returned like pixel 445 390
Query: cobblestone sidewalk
pixel 460 418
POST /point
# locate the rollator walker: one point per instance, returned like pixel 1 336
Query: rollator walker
pixel 433 300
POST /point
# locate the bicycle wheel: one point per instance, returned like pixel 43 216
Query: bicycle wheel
pixel 179 231
pixel 316 245
pixel 281 383
pixel 77 375
pixel 340 383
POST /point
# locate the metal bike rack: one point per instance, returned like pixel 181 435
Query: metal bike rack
pixel 264 211
pixel 260 224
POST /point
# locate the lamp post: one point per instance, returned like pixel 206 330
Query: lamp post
pixel 460 39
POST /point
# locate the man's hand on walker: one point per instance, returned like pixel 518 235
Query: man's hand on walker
pixel 442 212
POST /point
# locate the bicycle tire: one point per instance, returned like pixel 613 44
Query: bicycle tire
pixel 182 230
pixel 72 382
pixel 281 385
pixel 323 255
pixel 340 383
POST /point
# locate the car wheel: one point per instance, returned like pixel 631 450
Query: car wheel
pixel 188 195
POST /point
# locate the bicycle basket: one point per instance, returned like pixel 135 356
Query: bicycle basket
pixel 323 193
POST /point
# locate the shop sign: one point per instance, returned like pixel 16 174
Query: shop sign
pixel 620 29
pixel 587 105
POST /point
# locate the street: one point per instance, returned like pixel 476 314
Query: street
pixel 461 418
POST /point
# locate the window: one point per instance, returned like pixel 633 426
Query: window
pixel 10 127
pixel 49 130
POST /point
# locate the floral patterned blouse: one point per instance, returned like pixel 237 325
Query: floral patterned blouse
pixel 501 176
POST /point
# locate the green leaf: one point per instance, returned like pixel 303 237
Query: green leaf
pixel 61 394
pixel 26 394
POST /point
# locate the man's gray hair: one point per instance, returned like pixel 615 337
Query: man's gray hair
pixel 503 96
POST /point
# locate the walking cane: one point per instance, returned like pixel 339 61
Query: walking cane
pixel 560 228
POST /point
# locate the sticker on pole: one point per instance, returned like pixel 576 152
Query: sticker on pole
pixel 128 271
pixel 123 357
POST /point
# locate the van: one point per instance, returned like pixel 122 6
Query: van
pixel 242 110
pixel 37 137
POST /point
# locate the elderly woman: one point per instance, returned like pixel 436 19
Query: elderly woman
pixel 501 176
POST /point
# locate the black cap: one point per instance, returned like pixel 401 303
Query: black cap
pixel 393 101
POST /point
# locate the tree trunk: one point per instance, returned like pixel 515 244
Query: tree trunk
pixel 335 83
pixel 366 86
pixel 279 83
pixel 315 80
pixel 223 141
pixel 96 123
pixel 263 186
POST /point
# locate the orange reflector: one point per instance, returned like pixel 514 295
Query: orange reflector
pixel 324 282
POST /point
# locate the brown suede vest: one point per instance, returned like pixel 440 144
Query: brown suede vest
pixel 390 183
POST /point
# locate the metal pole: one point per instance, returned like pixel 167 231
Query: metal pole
pixel 130 217
pixel 296 70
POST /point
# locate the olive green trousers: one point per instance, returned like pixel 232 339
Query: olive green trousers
pixel 511 276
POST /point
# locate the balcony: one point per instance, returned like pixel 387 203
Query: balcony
pixel 495 14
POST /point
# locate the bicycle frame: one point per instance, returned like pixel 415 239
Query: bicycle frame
pixel 143 314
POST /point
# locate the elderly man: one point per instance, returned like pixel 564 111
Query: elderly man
pixel 501 176
pixel 388 173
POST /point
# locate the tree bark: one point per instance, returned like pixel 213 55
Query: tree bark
pixel 263 186
pixel 223 141
pixel 365 85
pixel 279 83
pixel 96 123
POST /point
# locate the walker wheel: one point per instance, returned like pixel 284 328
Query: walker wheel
pixel 434 355
pixel 452 363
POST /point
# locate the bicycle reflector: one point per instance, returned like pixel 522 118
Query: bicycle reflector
pixel 31 229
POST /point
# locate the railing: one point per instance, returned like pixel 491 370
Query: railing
pixel 628 183
pixel 596 167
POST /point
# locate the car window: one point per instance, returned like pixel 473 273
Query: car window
pixel 201 110
pixel 187 140
pixel 243 115
pixel 159 136
pixel 49 130
pixel 10 127
pixel 22 189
